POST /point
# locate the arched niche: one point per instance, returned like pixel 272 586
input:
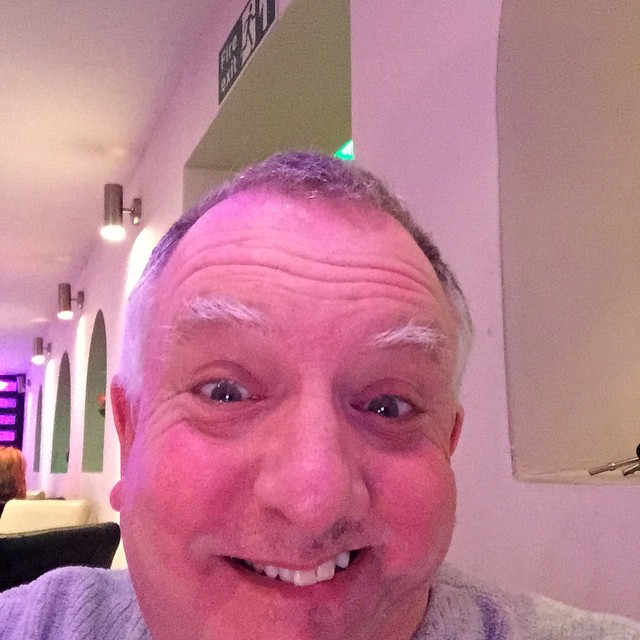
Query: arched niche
pixel 94 403
pixel 568 89
pixel 38 434
pixel 62 419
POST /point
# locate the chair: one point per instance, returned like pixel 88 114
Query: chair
pixel 36 515
pixel 26 556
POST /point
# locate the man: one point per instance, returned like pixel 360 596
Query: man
pixel 287 408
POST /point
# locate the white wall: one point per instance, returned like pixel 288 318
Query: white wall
pixel 103 281
pixel 423 97
pixel 424 118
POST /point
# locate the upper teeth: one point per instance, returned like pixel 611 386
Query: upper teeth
pixel 304 578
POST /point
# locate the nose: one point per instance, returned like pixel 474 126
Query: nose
pixel 311 471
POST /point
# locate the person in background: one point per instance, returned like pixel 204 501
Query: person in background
pixel 287 407
pixel 13 479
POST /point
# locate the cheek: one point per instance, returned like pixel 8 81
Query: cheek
pixel 182 482
pixel 417 504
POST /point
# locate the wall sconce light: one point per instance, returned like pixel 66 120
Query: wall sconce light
pixel 40 351
pixel 65 312
pixel 113 229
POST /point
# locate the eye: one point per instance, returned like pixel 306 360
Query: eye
pixel 224 391
pixel 389 406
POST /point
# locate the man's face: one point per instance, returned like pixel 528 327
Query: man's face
pixel 296 413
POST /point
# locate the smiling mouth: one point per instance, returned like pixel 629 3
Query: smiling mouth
pixel 302 577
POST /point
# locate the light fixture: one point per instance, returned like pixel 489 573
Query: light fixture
pixel 113 229
pixel 65 312
pixel 40 351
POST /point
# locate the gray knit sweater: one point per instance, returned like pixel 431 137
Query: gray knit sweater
pixel 82 604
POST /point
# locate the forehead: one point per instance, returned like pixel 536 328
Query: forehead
pixel 319 225
pixel 308 249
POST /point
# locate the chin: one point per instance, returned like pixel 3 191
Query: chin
pixel 231 600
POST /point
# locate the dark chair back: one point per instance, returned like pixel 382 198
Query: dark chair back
pixel 26 556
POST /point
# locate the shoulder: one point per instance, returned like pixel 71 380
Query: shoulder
pixel 73 603
pixel 460 608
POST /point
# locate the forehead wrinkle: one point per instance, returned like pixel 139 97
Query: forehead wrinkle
pixel 340 276
pixel 342 259
pixel 339 262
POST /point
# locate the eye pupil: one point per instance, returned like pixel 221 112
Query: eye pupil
pixel 225 391
pixel 386 406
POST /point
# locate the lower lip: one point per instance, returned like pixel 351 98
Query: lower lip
pixel 327 588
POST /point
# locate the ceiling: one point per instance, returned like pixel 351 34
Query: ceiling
pixel 81 86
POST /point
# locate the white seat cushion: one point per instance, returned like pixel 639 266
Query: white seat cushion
pixel 35 515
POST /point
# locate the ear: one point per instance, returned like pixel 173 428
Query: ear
pixel 125 420
pixel 457 428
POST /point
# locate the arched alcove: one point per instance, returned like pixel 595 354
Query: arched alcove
pixel 38 434
pixel 568 89
pixel 94 403
pixel 62 419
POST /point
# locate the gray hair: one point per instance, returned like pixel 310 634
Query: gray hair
pixel 298 174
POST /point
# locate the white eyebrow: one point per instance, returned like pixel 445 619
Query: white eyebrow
pixel 230 311
pixel 411 333
pixel 223 310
